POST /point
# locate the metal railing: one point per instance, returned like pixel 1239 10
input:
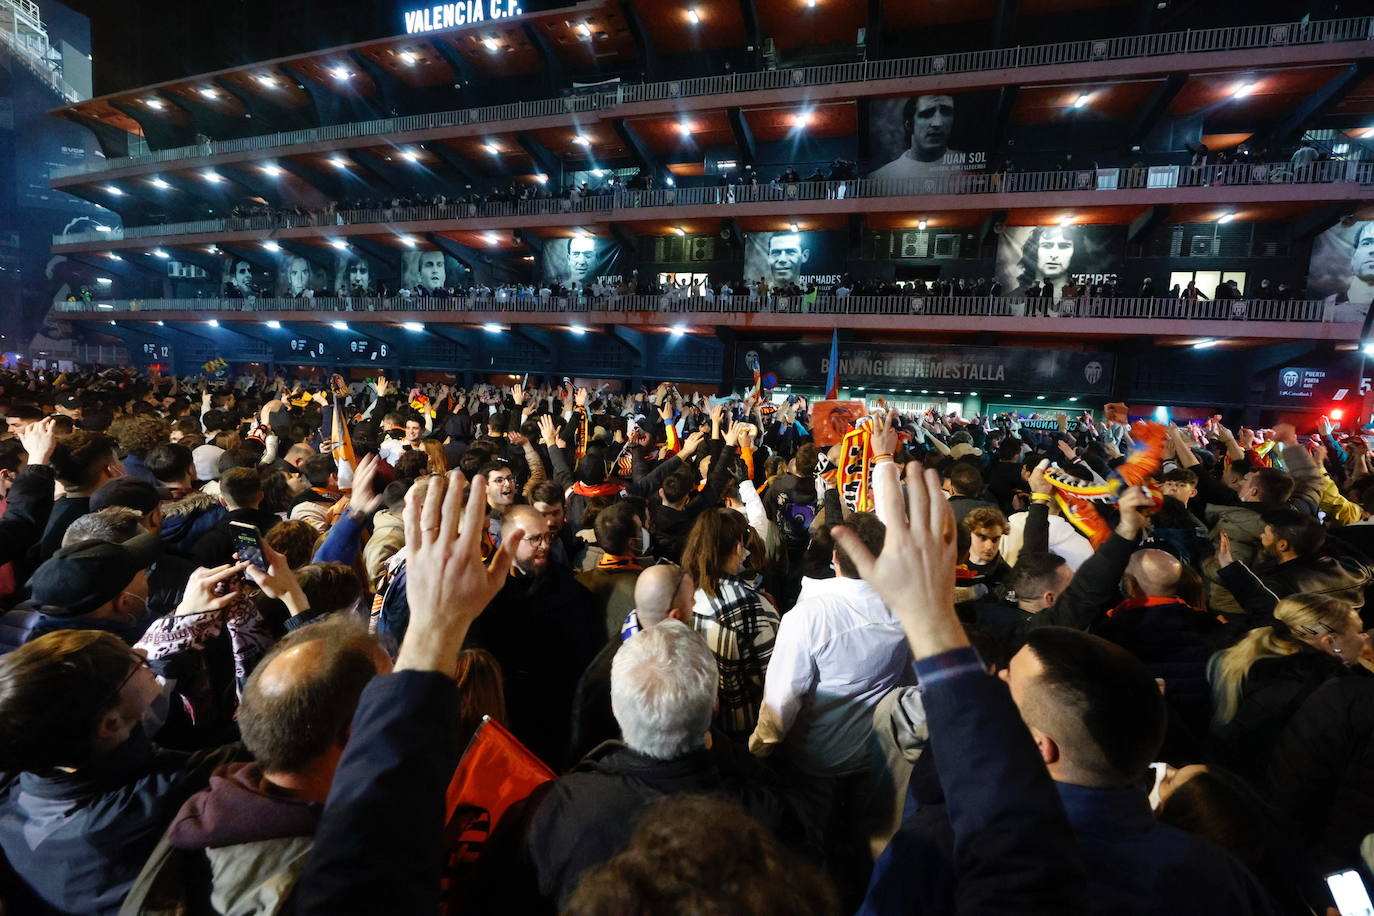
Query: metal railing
pixel 911 305
pixel 42 71
pixel 1102 49
pixel 610 205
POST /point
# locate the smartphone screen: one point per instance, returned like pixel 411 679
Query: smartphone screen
pixel 248 545
pixel 1349 893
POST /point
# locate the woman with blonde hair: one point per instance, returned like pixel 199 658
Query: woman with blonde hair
pixel 1259 683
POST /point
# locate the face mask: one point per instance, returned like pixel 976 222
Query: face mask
pixel 144 602
pixel 643 541
pixel 155 716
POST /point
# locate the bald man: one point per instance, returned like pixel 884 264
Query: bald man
pixel 254 827
pixel 1171 632
pixel 662 593
pixel 544 628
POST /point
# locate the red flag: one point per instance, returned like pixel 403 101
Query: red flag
pixel 496 772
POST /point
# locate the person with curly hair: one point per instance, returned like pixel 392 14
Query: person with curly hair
pixel 137 436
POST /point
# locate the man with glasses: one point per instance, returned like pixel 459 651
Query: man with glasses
pixel 544 628
pixel 87 794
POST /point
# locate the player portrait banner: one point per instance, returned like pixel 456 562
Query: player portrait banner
pixel 1341 270
pixel 359 274
pixel 879 366
pixel 247 279
pixel 806 258
pixel 582 260
pixel 1057 254
pixel 932 135
pixel 298 275
pixel 432 272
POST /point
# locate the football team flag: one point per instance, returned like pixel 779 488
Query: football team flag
pixel 832 374
pixel 496 773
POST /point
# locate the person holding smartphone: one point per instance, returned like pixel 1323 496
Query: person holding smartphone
pixel 241 493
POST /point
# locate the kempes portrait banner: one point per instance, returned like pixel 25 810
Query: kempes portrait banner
pixel 1342 270
pixel 1056 254
pixel 880 365
pixel 582 260
pixel 803 258
pixel 356 274
pixel 928 136
pixel 431 270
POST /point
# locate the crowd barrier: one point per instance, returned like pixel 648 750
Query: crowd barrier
pixel 1238 310
pixel 614 204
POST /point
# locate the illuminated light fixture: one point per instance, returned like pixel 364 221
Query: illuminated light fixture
pixel 412 326
pixel 1205 343
pixel 267 80
pixel 694 16
pixel 340 73
pixel 1066 220
pixel 793 227
pixel 338 162
pixel 541 178
pixel 155 104
pixel 1040 397
pixel 1340 149
pixel 492 238
pixel 103 229
pixel 274 325
pixel 939 392
pixel 1368 349
pixel 582 139
pixel 1337 413
pixel 338 243
pixel 213 249
pixel 214 323
pixel 684 128
pixel 111 189
pixel 1073 400
pixel 492 148
pixel 408 241
pixel 491 44
pixel 409 58
pixel 582 30
pixel 105 305
pixel 1225 218
pixel 1242 90
pixel 972 394
pixel 271 169
pixel 103 281
pixel 577 329
pixel 160 323
pixel 669 181
pixel 491 328
pixel 679 230
pixel 906 391
pixel 209 93
pixel 801 119
pixel 159 253
pixel 112 322
pixel 410 155
pixel 1161 414
pixel 1368 132
pixel 925 391
pixel 213 177
pixel 158 183
pixel 271 245
pixel 811 4
pixel 1080 101
pixel 597 173
pixel 113 257
pixel 921 224
pixel 678 330
pixel 339 325
pixel 1006 395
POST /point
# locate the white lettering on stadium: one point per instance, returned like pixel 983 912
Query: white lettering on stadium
pixel 918 367
pixel 461 12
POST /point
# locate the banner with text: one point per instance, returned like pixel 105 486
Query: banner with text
pixel 583 260
pixel 931 136
pixel 804 257
pixel 879 366
pixel 1054 255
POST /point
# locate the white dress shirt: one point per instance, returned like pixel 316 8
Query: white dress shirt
pixel 837 653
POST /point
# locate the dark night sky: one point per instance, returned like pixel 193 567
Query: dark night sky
pixel 138 42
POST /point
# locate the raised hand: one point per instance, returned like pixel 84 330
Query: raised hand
pixel 39 440
pixel 517 393
pixel 1224 556
pixel 884 438
pixel 449 585
pixel 1038 483
pixel 692 443
pixel 580 397
pixel 278 580
pixel 365 500
pixel 202 595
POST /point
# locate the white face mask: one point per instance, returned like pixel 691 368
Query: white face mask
pixel 643 541
pixel 155 716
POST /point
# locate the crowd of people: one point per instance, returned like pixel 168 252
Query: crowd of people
pixel 747 663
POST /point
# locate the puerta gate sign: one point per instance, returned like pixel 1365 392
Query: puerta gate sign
pixel 461 12
pixel 879 365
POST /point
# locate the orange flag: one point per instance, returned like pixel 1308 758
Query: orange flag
pixel 496 773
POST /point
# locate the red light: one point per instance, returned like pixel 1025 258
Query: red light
pixel 1337 413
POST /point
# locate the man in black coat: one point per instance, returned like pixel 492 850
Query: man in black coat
pixel 544 628
pixel 241 492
